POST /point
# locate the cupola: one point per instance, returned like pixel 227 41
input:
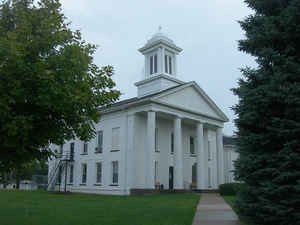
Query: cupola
pixel 160 54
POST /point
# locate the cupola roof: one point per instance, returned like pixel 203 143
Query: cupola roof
pixel 160 38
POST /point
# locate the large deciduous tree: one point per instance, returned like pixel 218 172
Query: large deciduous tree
pixel 269 114
pixel 50 89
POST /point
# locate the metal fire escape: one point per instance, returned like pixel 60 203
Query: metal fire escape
pixel 62 160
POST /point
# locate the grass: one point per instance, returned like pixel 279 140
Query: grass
pixel 231 200
pixel 36 208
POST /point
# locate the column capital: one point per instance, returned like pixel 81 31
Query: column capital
pixel 178 117
pixel 131 114
pixel 220 130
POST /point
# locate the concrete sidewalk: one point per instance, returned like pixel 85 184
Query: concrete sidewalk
pixel 213 210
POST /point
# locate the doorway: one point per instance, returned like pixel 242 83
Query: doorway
pixel 171 177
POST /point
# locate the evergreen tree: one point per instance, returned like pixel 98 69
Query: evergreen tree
pixel 269 115
pixel 50 89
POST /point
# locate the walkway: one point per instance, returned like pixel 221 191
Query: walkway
pixel 213 210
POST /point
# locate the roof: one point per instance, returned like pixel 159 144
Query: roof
pixel 154 98
pixel 136 99
pixel 160 38
pixel 229 140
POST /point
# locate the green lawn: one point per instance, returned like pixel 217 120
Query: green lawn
pixel 230 200
pixel 42 208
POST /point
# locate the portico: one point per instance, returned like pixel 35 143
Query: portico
pixel 162 128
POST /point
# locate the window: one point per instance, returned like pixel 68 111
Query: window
pixel 99 144
pixel 116 139
pixel 192 145
pixel 153 64
pixel 84 173
pixel 115 172
pixel 61 149
pixel 172 143
pixel 59 174
pixel 71 174
pixel 99 172
pixel 168 64
pixel 194 173
pixel 156 172
pixel 72 149
pixel 208 151
pixel 156 140
pixel 85 148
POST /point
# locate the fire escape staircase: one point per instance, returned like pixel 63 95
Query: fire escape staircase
pixel 61 161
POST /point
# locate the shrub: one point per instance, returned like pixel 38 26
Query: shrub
pixel 230 188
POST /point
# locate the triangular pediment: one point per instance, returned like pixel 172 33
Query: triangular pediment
pixel 191 97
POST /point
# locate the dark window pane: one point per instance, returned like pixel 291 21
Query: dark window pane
pixel 192 145
pixel 155 63
pixel 84 173
pixel 115 172
pixel 170 65
pixel 99 172
pixel 194 173
pixel 166 63
pixel 71 173
pixel 100 141
pixel 172 142
pixel 85 147
pixel 151 64
pixel 59 174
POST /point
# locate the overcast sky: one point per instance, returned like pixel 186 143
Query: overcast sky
pixel 207 31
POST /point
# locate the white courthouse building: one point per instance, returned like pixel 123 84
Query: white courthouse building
pixel 169 136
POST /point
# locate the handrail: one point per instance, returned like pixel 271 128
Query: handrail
pixel 60 158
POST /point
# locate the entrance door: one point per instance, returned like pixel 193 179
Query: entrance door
pixel 171 177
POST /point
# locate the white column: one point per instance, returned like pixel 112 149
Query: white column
pixel 160 60
pixel 175 65
pixel 163 60
pixel 130 154
pixel 220 153
pixel 201 170
pixel 150 148
pixel 178 154
pixel 146 67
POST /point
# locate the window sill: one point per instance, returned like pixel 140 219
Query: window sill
pixel 172 153
pixel 82 184
pixel 193 155
pixel 98 184
pixel 98 152
pixel 114 185
pixel 83 154
pixel 114 150
pixel 157 151
pixel 71 184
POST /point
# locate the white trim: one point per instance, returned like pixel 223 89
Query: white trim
pixel 201 92
pixel 161 43
pixel 163 75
